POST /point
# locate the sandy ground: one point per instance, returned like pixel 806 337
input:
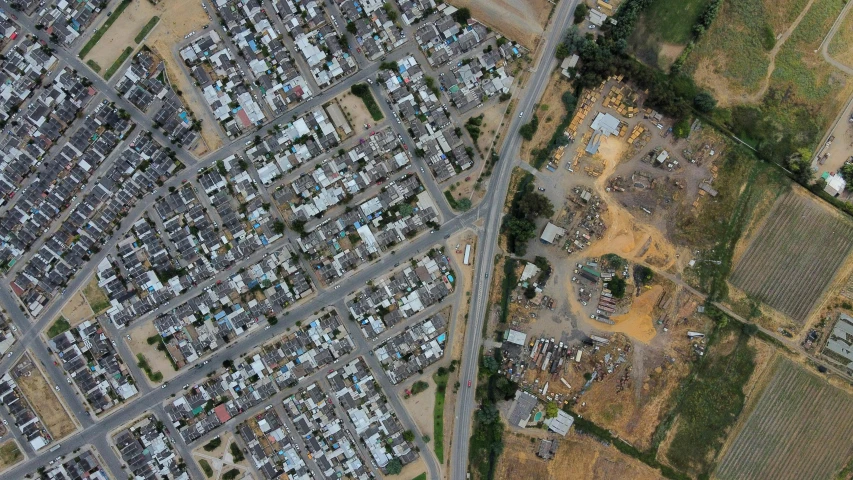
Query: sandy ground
pixel 122 33
pixel 10 454
pixel 178 18
pixel 221 460
pixel 77 310
pixel 96 296
pixel 637 323
pixel 578 457
pixel 842 147
pixel 357 114
pixel 413 469
pixel 156 359
pixel 420 406
pixel 521 20
pixel 46 404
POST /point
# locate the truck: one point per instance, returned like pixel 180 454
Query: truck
pixel 55 447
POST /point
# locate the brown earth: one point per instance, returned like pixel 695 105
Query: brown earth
pixel 637 323
pixel 578 457
pixel 156 359
pixel 520 20
pixel 357 114
pixel 550 112
pixel 420 406
pixel 10 454
pixel 96 296
pixel 77 310
pixel 46 404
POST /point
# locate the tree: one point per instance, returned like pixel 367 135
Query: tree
pixel 278 227
pixel 750 329
pixel 617 286
pixel 462 16
pixel 580 13
pixel 644 273
pixel 463 204
pixel 530 292
pixel 490 365
pixel 681 129
pixel 847 173
pixel 408 436
pixel 298 226
pixel 394 467
pixel 351 28
pixel 551 410
pixel 704 102
pixel 563 51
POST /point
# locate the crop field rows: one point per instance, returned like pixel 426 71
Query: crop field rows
pixel 794 256
pixel 801 428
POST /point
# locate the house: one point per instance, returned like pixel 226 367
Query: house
pixel 551 233
pixel 561 423
pixel 835 183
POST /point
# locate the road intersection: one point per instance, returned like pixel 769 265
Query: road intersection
pixel 96 431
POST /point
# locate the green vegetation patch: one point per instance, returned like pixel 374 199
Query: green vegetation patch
pixel 440 378
pixel 527 206
pixel 711 401
pixel 507 285
pixel 212 445
pixel 146 29
pixel 10 453
pixel 96 37
pixel 230 474
pixel 461 204
pixel 558 138
pixel 117 64
pixel 142 363
pixel 487 436
pixel 236 453
pixel 94 66
pixel 362 91
pixel 61 325
pixel 208 471
pixel 421 477
pixel 419 387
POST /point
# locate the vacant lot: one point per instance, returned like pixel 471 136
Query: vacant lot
pixel 578 457
pixel 663 30
pixel 156 359
pixel 800 428
pixel 733 57
pixel 356 113
pixel 77 309
pixel 786 266
pixel 10 454
pixel 520 20
pixel 710 402
pixel 841 46
pixel 48 407
pixel 96 296
pixel 122 33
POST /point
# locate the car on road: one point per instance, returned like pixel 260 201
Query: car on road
pixel 469 383
pixel 447 236
pixel 186 386
pixel 521 114
pixel 541 189
pixel 337 287
pixel 164 385
pixel 56 387
pixel 68 380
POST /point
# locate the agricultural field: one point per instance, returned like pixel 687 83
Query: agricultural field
pixel 733 57
pixel 786 266
pixel 800 428
pixel 664 29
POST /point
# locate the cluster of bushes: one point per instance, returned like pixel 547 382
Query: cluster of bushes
pixel 461 204
pixel 362 91
pixel 473 127
pixel 529 129
pixel 519 225
pixel 541 155
pixel 487 436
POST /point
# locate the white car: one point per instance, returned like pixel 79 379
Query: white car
pixel 521 114
pixel 337 287
pixel 56 387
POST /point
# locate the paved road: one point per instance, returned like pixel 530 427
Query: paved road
pixel 824 46
pixel 486 255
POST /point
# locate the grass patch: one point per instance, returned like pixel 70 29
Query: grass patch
pixel 117 64
pixel 438 414
pixel 146 29
pixel 60 326
pixel 96 37
pixel 206 468
pixel 94 66
pixel 230 474
pixel 142 363
pixel 96 297
pixel 461 205
pixel 236 453
pixel 421 477
pixel 672 20
pixel 711 401
pixel 362 91
pixel 10 453
pixel 419 387
pixel 212 445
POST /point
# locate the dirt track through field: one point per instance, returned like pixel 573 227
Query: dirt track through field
pixel 765 84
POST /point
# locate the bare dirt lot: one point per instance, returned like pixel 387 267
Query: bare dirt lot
pixel 45 402
pixel 357 114
pixel 156 359
pixel 122 33
pixel 520 20
pixel 578 457
pixel 178 18
pixel 420 407
pixel 77 310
